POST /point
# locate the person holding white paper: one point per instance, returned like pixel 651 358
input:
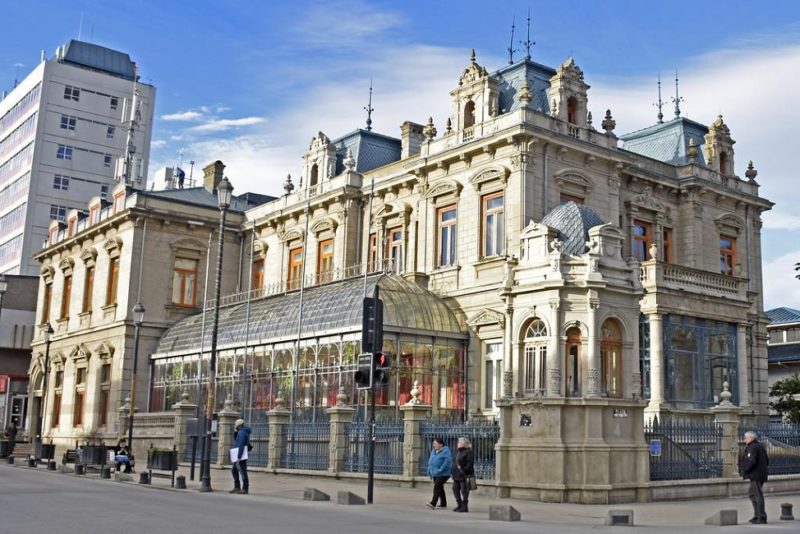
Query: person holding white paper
pixel 241 440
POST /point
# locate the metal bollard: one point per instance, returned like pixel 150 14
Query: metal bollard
pixel 786 512
pixel 105 472
pixel 80 469
pixel 144 478
pixel 180 482
pixel 31 462
pixel 51 465
pixel 10 460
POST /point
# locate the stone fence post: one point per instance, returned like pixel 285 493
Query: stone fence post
pixel 414 412
pixel 225 419
pixel 726 414
pixel 340 416
pixel 184 410
pixel 278 419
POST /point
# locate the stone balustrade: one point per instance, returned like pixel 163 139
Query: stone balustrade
pixel 656 275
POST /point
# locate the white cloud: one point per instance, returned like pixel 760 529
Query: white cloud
pixel 159 143
pixel 781 288
pixel 345 23
pixel 221 125
pixel 182 116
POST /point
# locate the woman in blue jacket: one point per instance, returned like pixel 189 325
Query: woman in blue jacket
pixel 440 465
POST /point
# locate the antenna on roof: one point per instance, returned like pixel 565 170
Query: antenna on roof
pixel 511 48
pixel 16 74
pixel 659 104
pixel 528 43
pixel 80 27
pixel 677 99
pixel 369 109
pixel 191 172
pixel 91 32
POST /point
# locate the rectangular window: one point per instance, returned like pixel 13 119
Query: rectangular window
pixel 56 409
pixel 48 296
pixel 447 218
pixel 325 261
pixel 58 213
pixel 88 289
pixel 110 132
pixel 535 367
pixel 80 376
pixel 107 160
pixel 62 184
pixel 68 122
pixel 184 282
pixel 493 225
pixel 105 386
pixel 65 296
pixel 258 273
pixel 727 254
pixel 113 276
pixel 493 374
pixel 104 191
pixel 372 254
pixel 72 93
pixel 64 152
pixel 295 267
pixel 119 202
pixel 642 238
pixel 394 249
pixel 71 225
pixel 114 102
pixel 667 245
pixel 77 415
pixel 94 214
pixel 59 379
pixel 566 197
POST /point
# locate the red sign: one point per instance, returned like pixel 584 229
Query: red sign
pixel 3 383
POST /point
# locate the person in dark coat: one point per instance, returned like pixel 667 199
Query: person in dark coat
pixel 11 435
pixel 463 469
pixel 755 464
pixel 241 437
pixel 122 456
pixel 439 467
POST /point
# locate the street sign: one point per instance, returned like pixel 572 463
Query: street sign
pixel 363 375
pixel 655 447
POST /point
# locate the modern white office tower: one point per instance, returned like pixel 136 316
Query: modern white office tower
pixel 78 124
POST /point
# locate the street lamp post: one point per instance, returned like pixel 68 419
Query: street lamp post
pixel 138 319
pixel 48 331
pixel 3 287
pixel 224 193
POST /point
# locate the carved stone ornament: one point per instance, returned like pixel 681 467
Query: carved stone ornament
pixel 554 386
pixel 594 382
pixel 725 396
pixel 647 200
pixel 525 95
pixel 555 246
pixel 349 161
pixel 751 172
pixel 319 141
pixel 472 73
pixel 608 123
pixel 653 251
pixel 487 317
pixel 429 131
pixel 415 393
pixel 636 385
pixel 508 382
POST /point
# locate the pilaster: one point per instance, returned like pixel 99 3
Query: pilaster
pixel 413 415
pixel 340 415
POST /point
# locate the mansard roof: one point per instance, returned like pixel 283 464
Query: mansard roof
pixel 99 58
pixel 509 80
pixel 573 222
pixel 201 196
pixel 668 141
pixel 327 309
pixel 370 150
pixel 783 315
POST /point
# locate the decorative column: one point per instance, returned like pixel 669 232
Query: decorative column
pixel 278 419
pixel 184 410
pixel 553 357
pixel 414 412
pixel 744 369
pixel 508 356
pixel 726 414
pixel 225 420
pixel 340 416
pixel 591 352
pixel 656 363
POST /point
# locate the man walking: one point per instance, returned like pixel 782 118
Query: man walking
pixel 241 440
pixel 754 468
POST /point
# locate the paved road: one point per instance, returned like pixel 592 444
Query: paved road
pixel 37 501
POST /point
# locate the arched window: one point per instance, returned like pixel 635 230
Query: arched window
pixel 572 110
pixel 314 178
pixel 723 162
pixel 611 359
pixel 573 353
pixel 469 114
pixel 536 358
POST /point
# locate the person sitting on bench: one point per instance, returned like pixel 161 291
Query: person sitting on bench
pixel 122 456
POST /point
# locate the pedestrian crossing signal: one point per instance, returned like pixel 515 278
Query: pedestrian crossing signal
pixel 383 367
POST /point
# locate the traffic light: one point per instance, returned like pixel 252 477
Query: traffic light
pixel 372 325
pixel 383 367
pixel 363 375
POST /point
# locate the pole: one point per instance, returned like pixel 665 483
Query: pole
pixel 372 438
pixel 245 385
pixel 205 477
pixel 198 400
pixel 133 386
pixel 40 423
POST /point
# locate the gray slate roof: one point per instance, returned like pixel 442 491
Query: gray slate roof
pixel 784 353
pixel 509 80
pixel 668 141
pixel 573 222
pixel 99 58
pixel 330 308
pixel 370 150
pixel 783 315
pixel 199 196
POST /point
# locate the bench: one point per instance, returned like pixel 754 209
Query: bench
pixel 70 457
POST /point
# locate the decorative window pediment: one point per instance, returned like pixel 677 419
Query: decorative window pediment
pixel 487 317
pixel 293 234
pixel 57 361
pixel 66 265
pixel 572 181
pixel 647 201
pixel 729 223
pixel 188 248
pixel 104 351
pixel 497 173
pixel 260 248
pixel 47 273
pixel 393 209
pixel 324 224
pixel 80 355
pixel 444 187
pixel 89 256
pixel 113 246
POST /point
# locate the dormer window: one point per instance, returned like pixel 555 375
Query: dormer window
pixel 71 224
pixel 94 214
pixel 469 114
pixel 723 162
pixel 314 178
pixel 572 110
pixel 119 202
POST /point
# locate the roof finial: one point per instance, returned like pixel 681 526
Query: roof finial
pixel 677 99
pixel 528 43
pixel 659 104
pixel 511 48
pixel 472 57
pixel 369 109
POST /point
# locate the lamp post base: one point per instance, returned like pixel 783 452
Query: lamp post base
pixel 205 485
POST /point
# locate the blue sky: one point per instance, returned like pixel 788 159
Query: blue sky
pixel 251 82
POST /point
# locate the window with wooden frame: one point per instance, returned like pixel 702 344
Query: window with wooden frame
pixel 372 253
pixel 66 292
pixel 80 393
pixel 105 387
pixel 566 197
pixel 394 249
pixel 642 238
pixel 727 254
pixel 46 301
pixel 184 282
pixel 611 359
pixel 71 225
pixel 258 273
pixel 492 374
pixel 325 261
pixel 447 229
pixel 666 246
pixel 113 280
pixel 56 413
pixel 88 289
pixel 119 202
pixel 295 268
pixel 94 214
pixel 493 225
pixel 536 341
pixel 573 353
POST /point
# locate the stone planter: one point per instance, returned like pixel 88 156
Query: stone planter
pixel 164 460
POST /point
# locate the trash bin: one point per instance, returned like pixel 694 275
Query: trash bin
pixel 5 448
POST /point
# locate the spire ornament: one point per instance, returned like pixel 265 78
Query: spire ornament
pixel 288 186
pixel 449 128
pixel 660 103
pixel 677 99
pixel 430 130
pixel 751 172
pixel 608 123
pixel 525 94
pixel 369 109
pixel 527 43
pixel 511 48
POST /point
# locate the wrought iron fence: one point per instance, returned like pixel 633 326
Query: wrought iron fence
pixel 685 450
pixel 482 434
pixel 259 438
pixel 388 447
pixel 306 445
pixel 782 443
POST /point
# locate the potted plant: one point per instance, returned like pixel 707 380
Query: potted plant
pixel 94 452
pixel 161 458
